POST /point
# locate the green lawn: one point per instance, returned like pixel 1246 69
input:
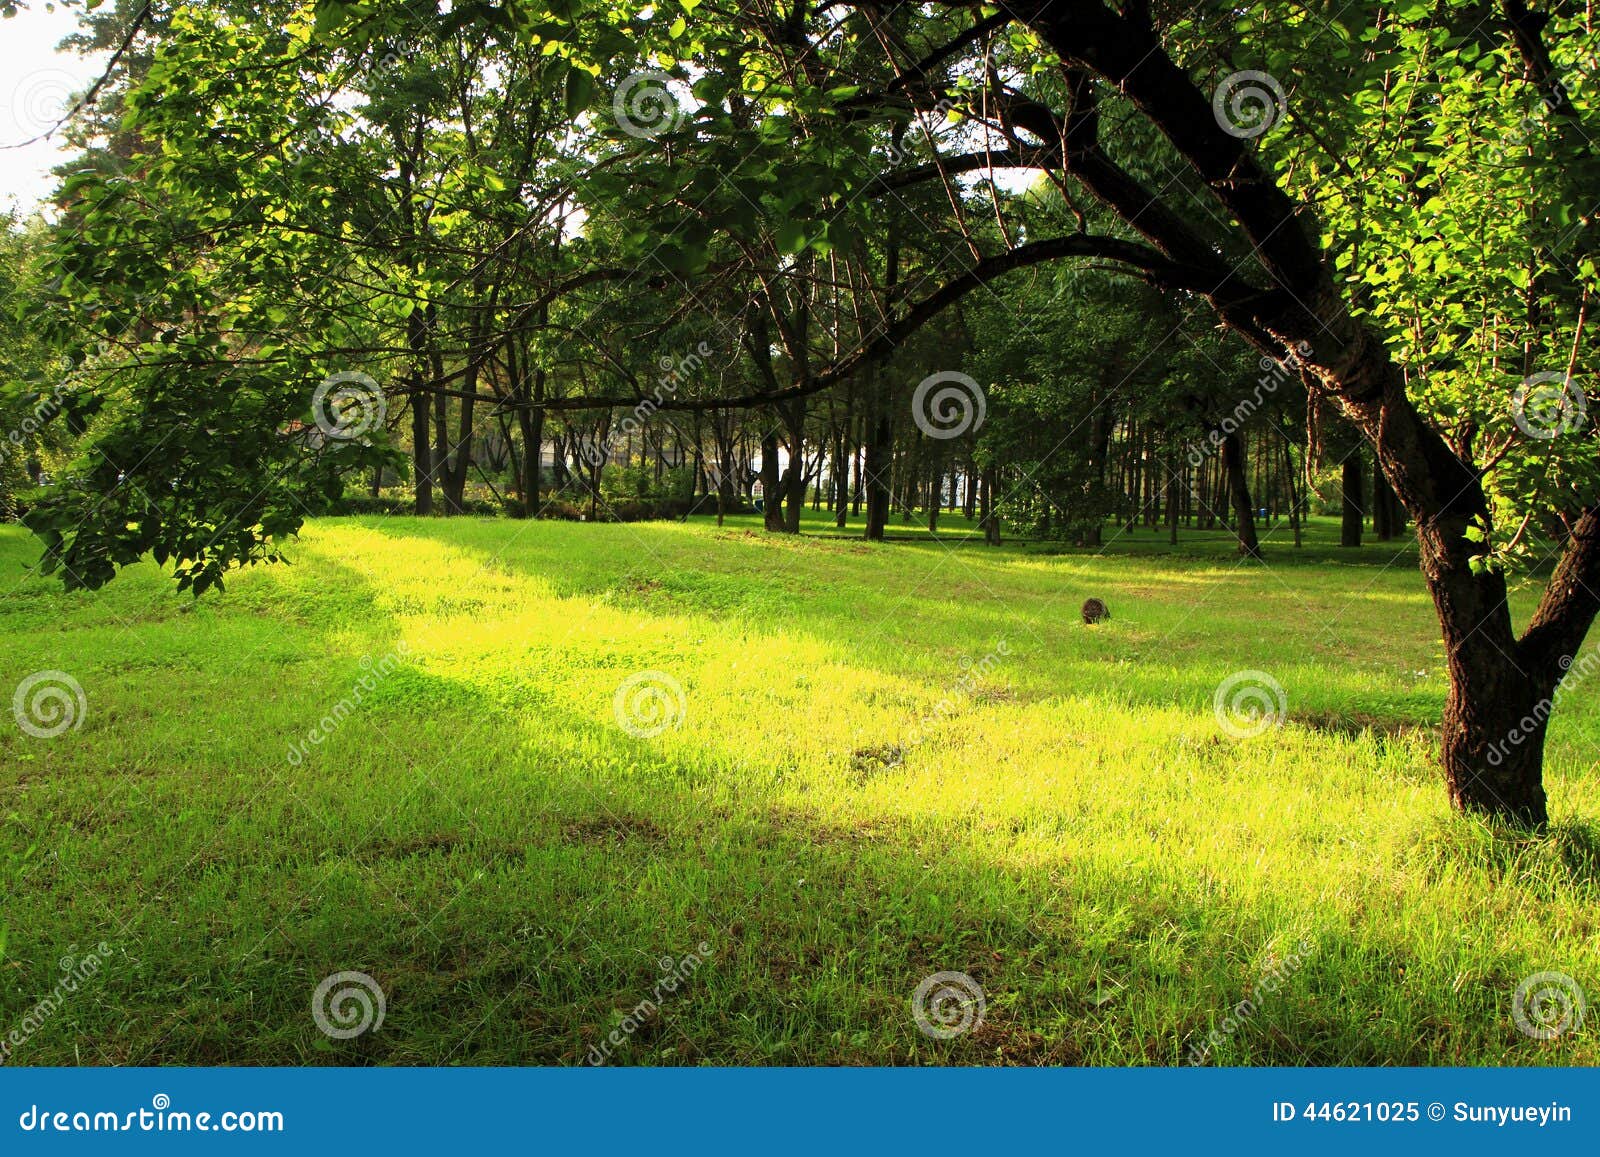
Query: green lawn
pixel 892 761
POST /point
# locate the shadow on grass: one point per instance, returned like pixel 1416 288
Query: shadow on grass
pixel 1562 861
pixel 516 902
pixel 820 928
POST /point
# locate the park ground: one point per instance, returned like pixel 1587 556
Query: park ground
pixel 890 761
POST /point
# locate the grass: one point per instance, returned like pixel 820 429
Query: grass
pixel 892 761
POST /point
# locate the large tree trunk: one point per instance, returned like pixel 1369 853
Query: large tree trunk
pixel 771 488
pixel 1239 495
pixel 794 487
pixel 1289 475
pixel 455 468
pixel 1290 305
pixel 1100 453
pixel 530 421
pixel 1492 742
pixel 1388 515
pixel 441 437
pixel 856 486
pixel 1351 493
pixel 1492 733
pixel 422 464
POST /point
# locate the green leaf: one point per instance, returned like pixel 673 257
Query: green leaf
pixel 580 90
pixel 791 237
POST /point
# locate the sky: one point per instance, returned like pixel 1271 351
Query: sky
pixel 36 87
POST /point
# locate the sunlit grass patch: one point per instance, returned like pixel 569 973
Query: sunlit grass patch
pixel 854 766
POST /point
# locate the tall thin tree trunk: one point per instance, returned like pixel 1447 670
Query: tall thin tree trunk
pixel 421 454
pixel 856 488
pixel 1173 478
pixel 875 471
pixel 841 478
pixel 989 516
pixel 1289 475
pixel 1239 495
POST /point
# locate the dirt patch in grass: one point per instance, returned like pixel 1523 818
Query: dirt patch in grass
pixel 1009 1044
pixel 868 762
pixel 611 830
pixel 1352 724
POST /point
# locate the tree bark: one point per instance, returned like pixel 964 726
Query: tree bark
pixel 1239 495
pixel 421 455
pixel 856 489
pixel 1289 475
pixel 795 476
pixel 455 468
pixel 1496 681
pixel 875 471
pixel 1351 492
pixel 530 422
pixel 1100 452
pixel 987 513
pixel 771 488
pixel 841 478
pixel 1172 502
